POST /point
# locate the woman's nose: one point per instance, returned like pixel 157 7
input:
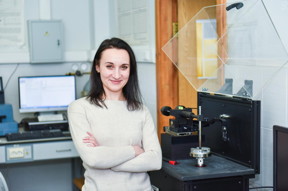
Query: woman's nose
pixel 116 73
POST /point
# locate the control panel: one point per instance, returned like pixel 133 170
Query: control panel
pixel 19 153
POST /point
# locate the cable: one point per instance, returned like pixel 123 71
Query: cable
pixel 77 73
pixel 11 76
pixel 253 188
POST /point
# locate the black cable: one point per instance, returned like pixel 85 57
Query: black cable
pixel 11 75
pixel 253 188
pixel 65 116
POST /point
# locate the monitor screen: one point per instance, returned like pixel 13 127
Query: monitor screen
pixel 46 93
pixel 280 157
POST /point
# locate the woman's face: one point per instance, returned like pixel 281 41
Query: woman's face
pixel 114 69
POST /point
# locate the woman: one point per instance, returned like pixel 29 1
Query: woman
pixel 111 128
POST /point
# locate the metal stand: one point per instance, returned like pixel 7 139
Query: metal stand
pixel 200 153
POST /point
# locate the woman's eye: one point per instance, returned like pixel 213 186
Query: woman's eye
pixel 124 67
pixel 109 66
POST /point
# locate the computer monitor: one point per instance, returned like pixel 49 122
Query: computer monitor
pixel 46 93
pixel 280 157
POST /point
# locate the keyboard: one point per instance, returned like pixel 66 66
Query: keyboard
pixel 40 134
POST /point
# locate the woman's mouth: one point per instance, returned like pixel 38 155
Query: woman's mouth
pixel 116 81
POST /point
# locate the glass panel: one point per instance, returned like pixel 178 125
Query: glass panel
pixel 238 59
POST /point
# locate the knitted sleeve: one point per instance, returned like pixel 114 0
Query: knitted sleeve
pixel 101 157
pixel 151 159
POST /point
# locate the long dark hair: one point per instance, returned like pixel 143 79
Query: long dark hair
pixel 131 90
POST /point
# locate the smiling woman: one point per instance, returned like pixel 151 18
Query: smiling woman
pixel 114 70
pixel 112 130
pixel 105 57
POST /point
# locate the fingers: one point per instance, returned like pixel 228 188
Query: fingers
pixel 90 134
pixel 90 140
pixel 91 145
pixel 138 150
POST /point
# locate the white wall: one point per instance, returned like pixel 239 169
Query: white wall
pixel 86 24
pixel 274 96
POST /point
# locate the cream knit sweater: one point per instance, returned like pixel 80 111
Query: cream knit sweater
pixel 112 166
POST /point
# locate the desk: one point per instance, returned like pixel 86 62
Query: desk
pixel 42 164
pixel 220 174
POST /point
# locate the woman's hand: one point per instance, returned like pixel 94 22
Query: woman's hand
pixel 138 150
pixel 90 140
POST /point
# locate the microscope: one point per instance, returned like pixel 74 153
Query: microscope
pixel 184 130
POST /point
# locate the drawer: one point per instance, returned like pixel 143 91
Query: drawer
pixel 55 150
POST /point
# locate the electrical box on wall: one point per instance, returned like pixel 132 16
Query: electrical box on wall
pixel 45 41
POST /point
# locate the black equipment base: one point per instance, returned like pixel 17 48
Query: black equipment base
pixel 219 174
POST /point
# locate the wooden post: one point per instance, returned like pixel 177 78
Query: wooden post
pixel 166 72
